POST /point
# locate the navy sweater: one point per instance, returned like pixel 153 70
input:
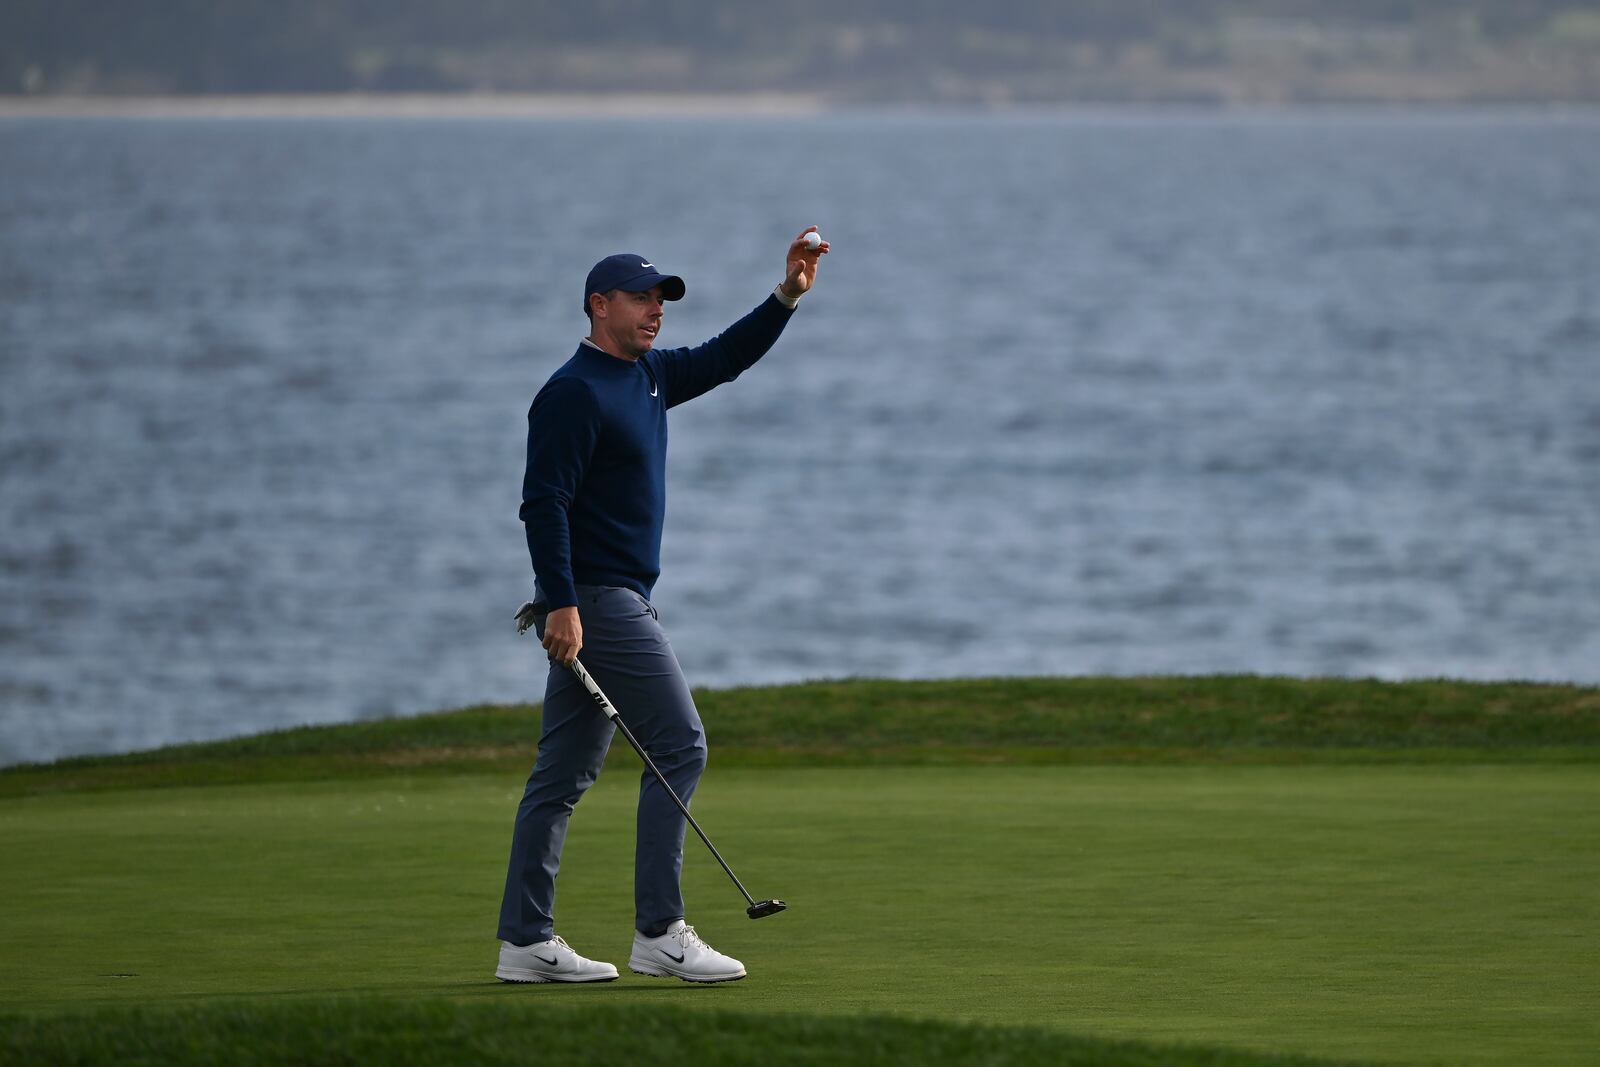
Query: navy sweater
pixel 594 495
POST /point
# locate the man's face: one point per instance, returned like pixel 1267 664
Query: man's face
pixel 628 321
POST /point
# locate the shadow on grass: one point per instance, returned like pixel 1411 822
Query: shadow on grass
pixel 439 1032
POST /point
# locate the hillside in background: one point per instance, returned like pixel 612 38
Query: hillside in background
pixel 847 51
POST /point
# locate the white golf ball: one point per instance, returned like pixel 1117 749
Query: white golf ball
pixel 813 240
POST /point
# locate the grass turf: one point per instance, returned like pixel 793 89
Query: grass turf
pixel 1411 914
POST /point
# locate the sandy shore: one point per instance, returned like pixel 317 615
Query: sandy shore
pixel 407 105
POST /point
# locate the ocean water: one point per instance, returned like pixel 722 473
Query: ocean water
pixel 1121 392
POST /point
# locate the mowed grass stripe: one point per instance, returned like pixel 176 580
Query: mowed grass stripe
pixel 1418 914
pixel 453 1034
pixel 1222 719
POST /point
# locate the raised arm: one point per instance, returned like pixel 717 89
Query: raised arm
pixel 691 372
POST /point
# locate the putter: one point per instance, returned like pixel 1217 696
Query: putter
pixel 758 909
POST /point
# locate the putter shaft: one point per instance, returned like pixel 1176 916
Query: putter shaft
pixel 611 713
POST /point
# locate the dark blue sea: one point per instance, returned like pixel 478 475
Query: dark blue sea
pixel 1095 392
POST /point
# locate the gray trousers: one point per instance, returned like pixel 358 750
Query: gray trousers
pixel 626 651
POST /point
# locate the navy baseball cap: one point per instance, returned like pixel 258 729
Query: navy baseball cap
pixel 631 274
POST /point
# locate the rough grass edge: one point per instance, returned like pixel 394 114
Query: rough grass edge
pixel 1222 719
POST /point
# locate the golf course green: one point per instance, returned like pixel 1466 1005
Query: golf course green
pixel 1185 871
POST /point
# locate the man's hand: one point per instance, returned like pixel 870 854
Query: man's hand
pixel 801 270
pixel 563 634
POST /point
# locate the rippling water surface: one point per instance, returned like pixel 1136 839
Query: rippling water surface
pixel 1127 393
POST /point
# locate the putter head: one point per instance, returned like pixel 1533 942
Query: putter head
pixel 528 614
pixel 762 908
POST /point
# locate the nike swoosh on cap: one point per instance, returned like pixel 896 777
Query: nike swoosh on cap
pixel 647 266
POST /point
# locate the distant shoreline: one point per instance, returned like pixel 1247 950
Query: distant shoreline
pixel 414 105
pixel 665 106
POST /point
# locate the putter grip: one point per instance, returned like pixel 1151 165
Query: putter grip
pixel 594 690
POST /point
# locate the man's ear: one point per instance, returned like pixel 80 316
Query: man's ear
pixel 597 304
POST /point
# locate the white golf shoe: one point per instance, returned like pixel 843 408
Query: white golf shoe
pixel 549 961
pixel 679 953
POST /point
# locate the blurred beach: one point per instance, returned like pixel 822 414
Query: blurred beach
pixel 411 105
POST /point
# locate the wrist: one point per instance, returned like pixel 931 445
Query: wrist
pixel 785 298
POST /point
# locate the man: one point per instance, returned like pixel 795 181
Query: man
pixel 593 502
